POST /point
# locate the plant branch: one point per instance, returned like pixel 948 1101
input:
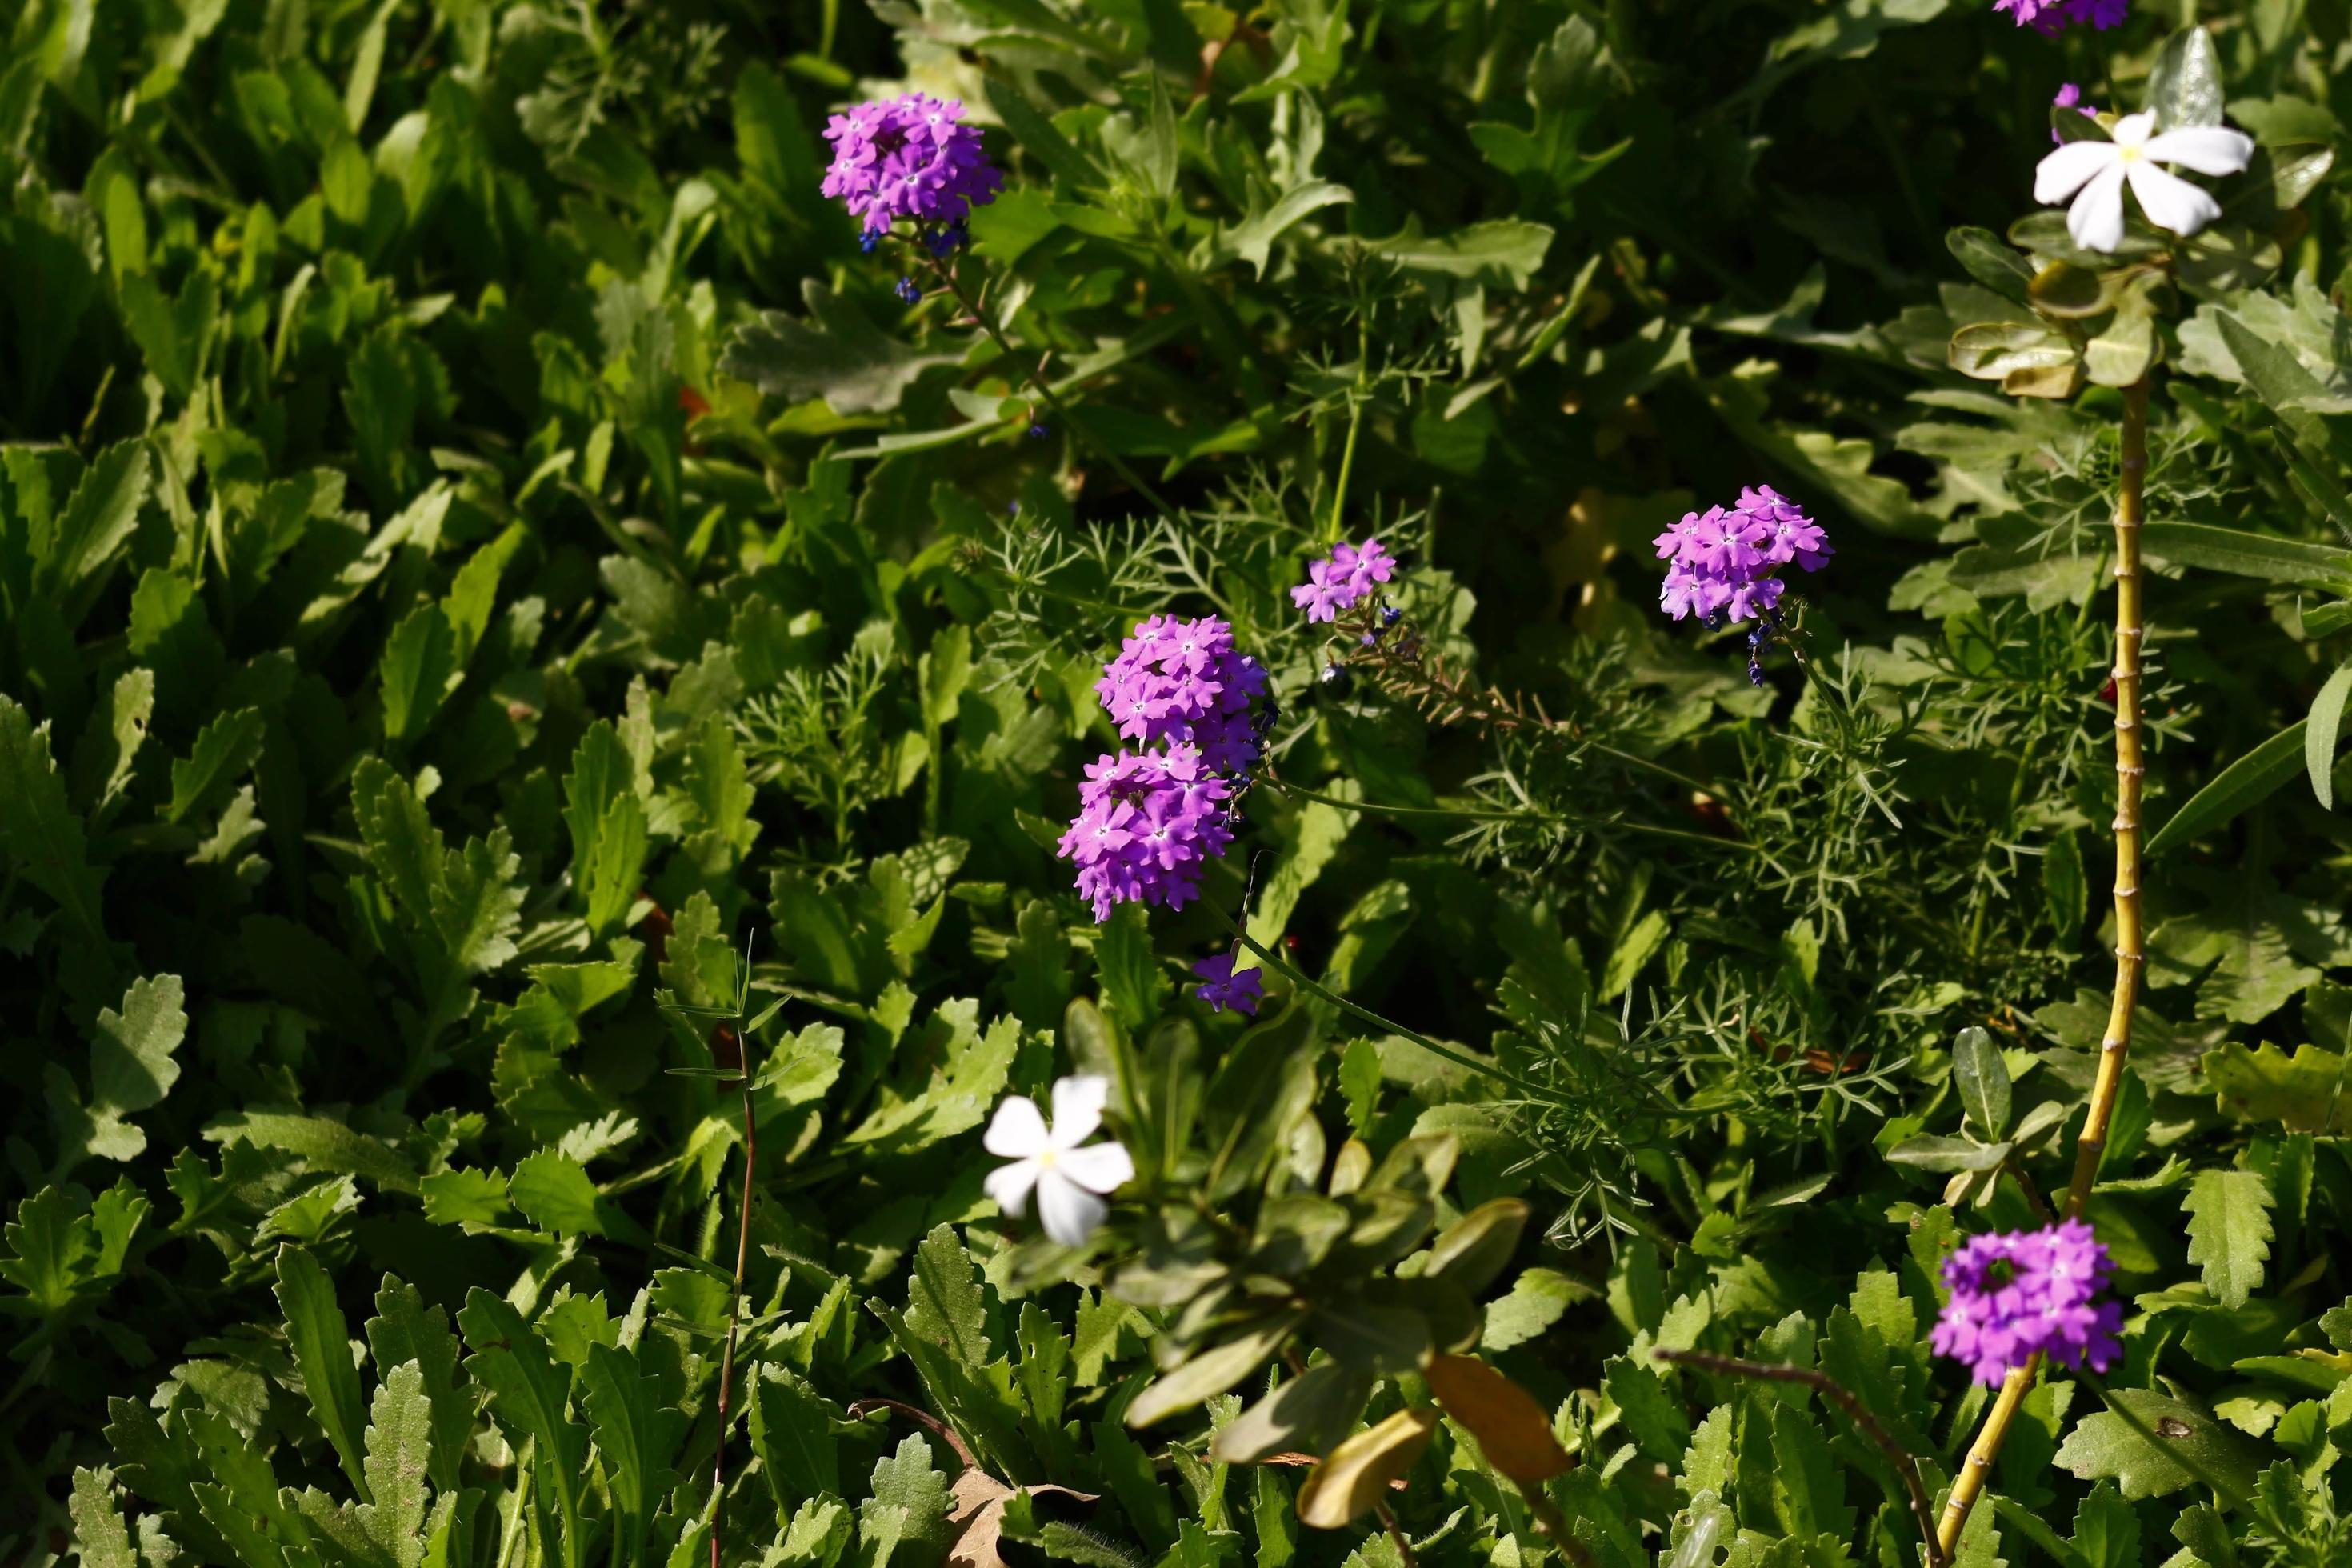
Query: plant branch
pixel 1299 978
pixel 2130 504
pixel 734 1295
pixel 1905 1466
pixel 1037 382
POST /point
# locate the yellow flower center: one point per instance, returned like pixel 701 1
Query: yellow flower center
pixel 2130 154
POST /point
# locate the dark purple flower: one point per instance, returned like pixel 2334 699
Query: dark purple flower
pixel 2017 1293
pixel 2049 16
pixel 1221 988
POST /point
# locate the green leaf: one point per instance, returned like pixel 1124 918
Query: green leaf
pixel 1653 1418
pixel 2305 1092
pixel 1632 950
pixel 1359 1084
pixel 555 1193
pixel 2184 87
pixel 2240 786
pixel 1535 1300
pixel 322 1144
pixel 2321 724
pixel 42 836
pixel 2106 1531
pixel 637 1437
pixel 1501 253
pixel 2247 555
pixel 419 663
pixel 1252 239
pixel 1982 1079
pixel 399 1455
pixel 608 826
pixel 53 1250
pixel 130 1056
pixel 2228 1232
pixel 2065 890
pixel 1213 1371
pixel 527 1394
pixel 1039 137
pixel 792 1433
pixel 1307 1414
pixel 943 1300
pixel 2104 1446
pixel 99 1532
pixel 835 353
pixel 903 1523
pixel 321 1344
pixel 224 750
pixel 404 1330
pixel 96 526
pixel 109 749
pixel 1992 261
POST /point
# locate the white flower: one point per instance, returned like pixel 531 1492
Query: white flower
pixel 2099 170
pixel 1067 1178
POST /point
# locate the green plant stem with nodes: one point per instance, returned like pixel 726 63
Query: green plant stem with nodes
pixel 1299 978
pixel 946 276
pixel 734 1291
pixel 2130 629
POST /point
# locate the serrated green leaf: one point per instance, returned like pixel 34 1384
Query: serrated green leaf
pixel 608 826
pixel 527 1395
pixel 404 1330
pixel 944 1303
pixel 1653 1418
pixel 420 658
pixel 903 1523
pixel 94 528
pixel 321 1344
pixel 637 1438
pixel 2104 1446
pixel 555 1193
pixel 834 353
pixel 2306 1091
pixel 1535 1300
pixel 792 1433
pixel 324 1145
pixel 2106 1531
pixel 99 1532
pixel 42 835
pixel 399 1455
pixel 132 1067
pixel 2228 1232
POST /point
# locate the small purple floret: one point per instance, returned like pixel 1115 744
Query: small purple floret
pixel 1221 988
pixel 1342 579
pixel 2048 17
pixel 2018 1292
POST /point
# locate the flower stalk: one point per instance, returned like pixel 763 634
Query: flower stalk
pixel 2130 631
pixel 734 1288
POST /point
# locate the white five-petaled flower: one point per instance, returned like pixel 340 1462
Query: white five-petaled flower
pixel 1070 1181
pixel 2094 174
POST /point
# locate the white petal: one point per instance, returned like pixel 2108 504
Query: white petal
pixel 2207 149
pixel 1068 1212
pixel 2096 218
pixel 2133 130
pixel 2065 171
pixel 1078 1107
pixel 2171 202
pixel 1018 1130
pixel 1098 1168
pixel 1010 1184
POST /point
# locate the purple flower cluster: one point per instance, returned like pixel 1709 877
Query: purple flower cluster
pixel 1221 988
pixel 909 158
pixel 1343 578
pixel 2049 16
pixel 1183 680
pixel 1722 563
pixel 1148 820
pixel 2019 1292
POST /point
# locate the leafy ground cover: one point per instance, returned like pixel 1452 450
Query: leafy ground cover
pixel 548 676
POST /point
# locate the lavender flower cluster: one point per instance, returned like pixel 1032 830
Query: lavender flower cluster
pixel 1183 680
pixel 909 158
pixel 1722 563
pixel 2018 1292
pixel 2049 16
pixel 1150 820
pixel 1343 579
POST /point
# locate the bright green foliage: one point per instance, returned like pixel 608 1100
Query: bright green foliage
pixel 511 628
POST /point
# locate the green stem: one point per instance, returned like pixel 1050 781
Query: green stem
pixel 1281 965
pixel 1037 382
pixel 1356 399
